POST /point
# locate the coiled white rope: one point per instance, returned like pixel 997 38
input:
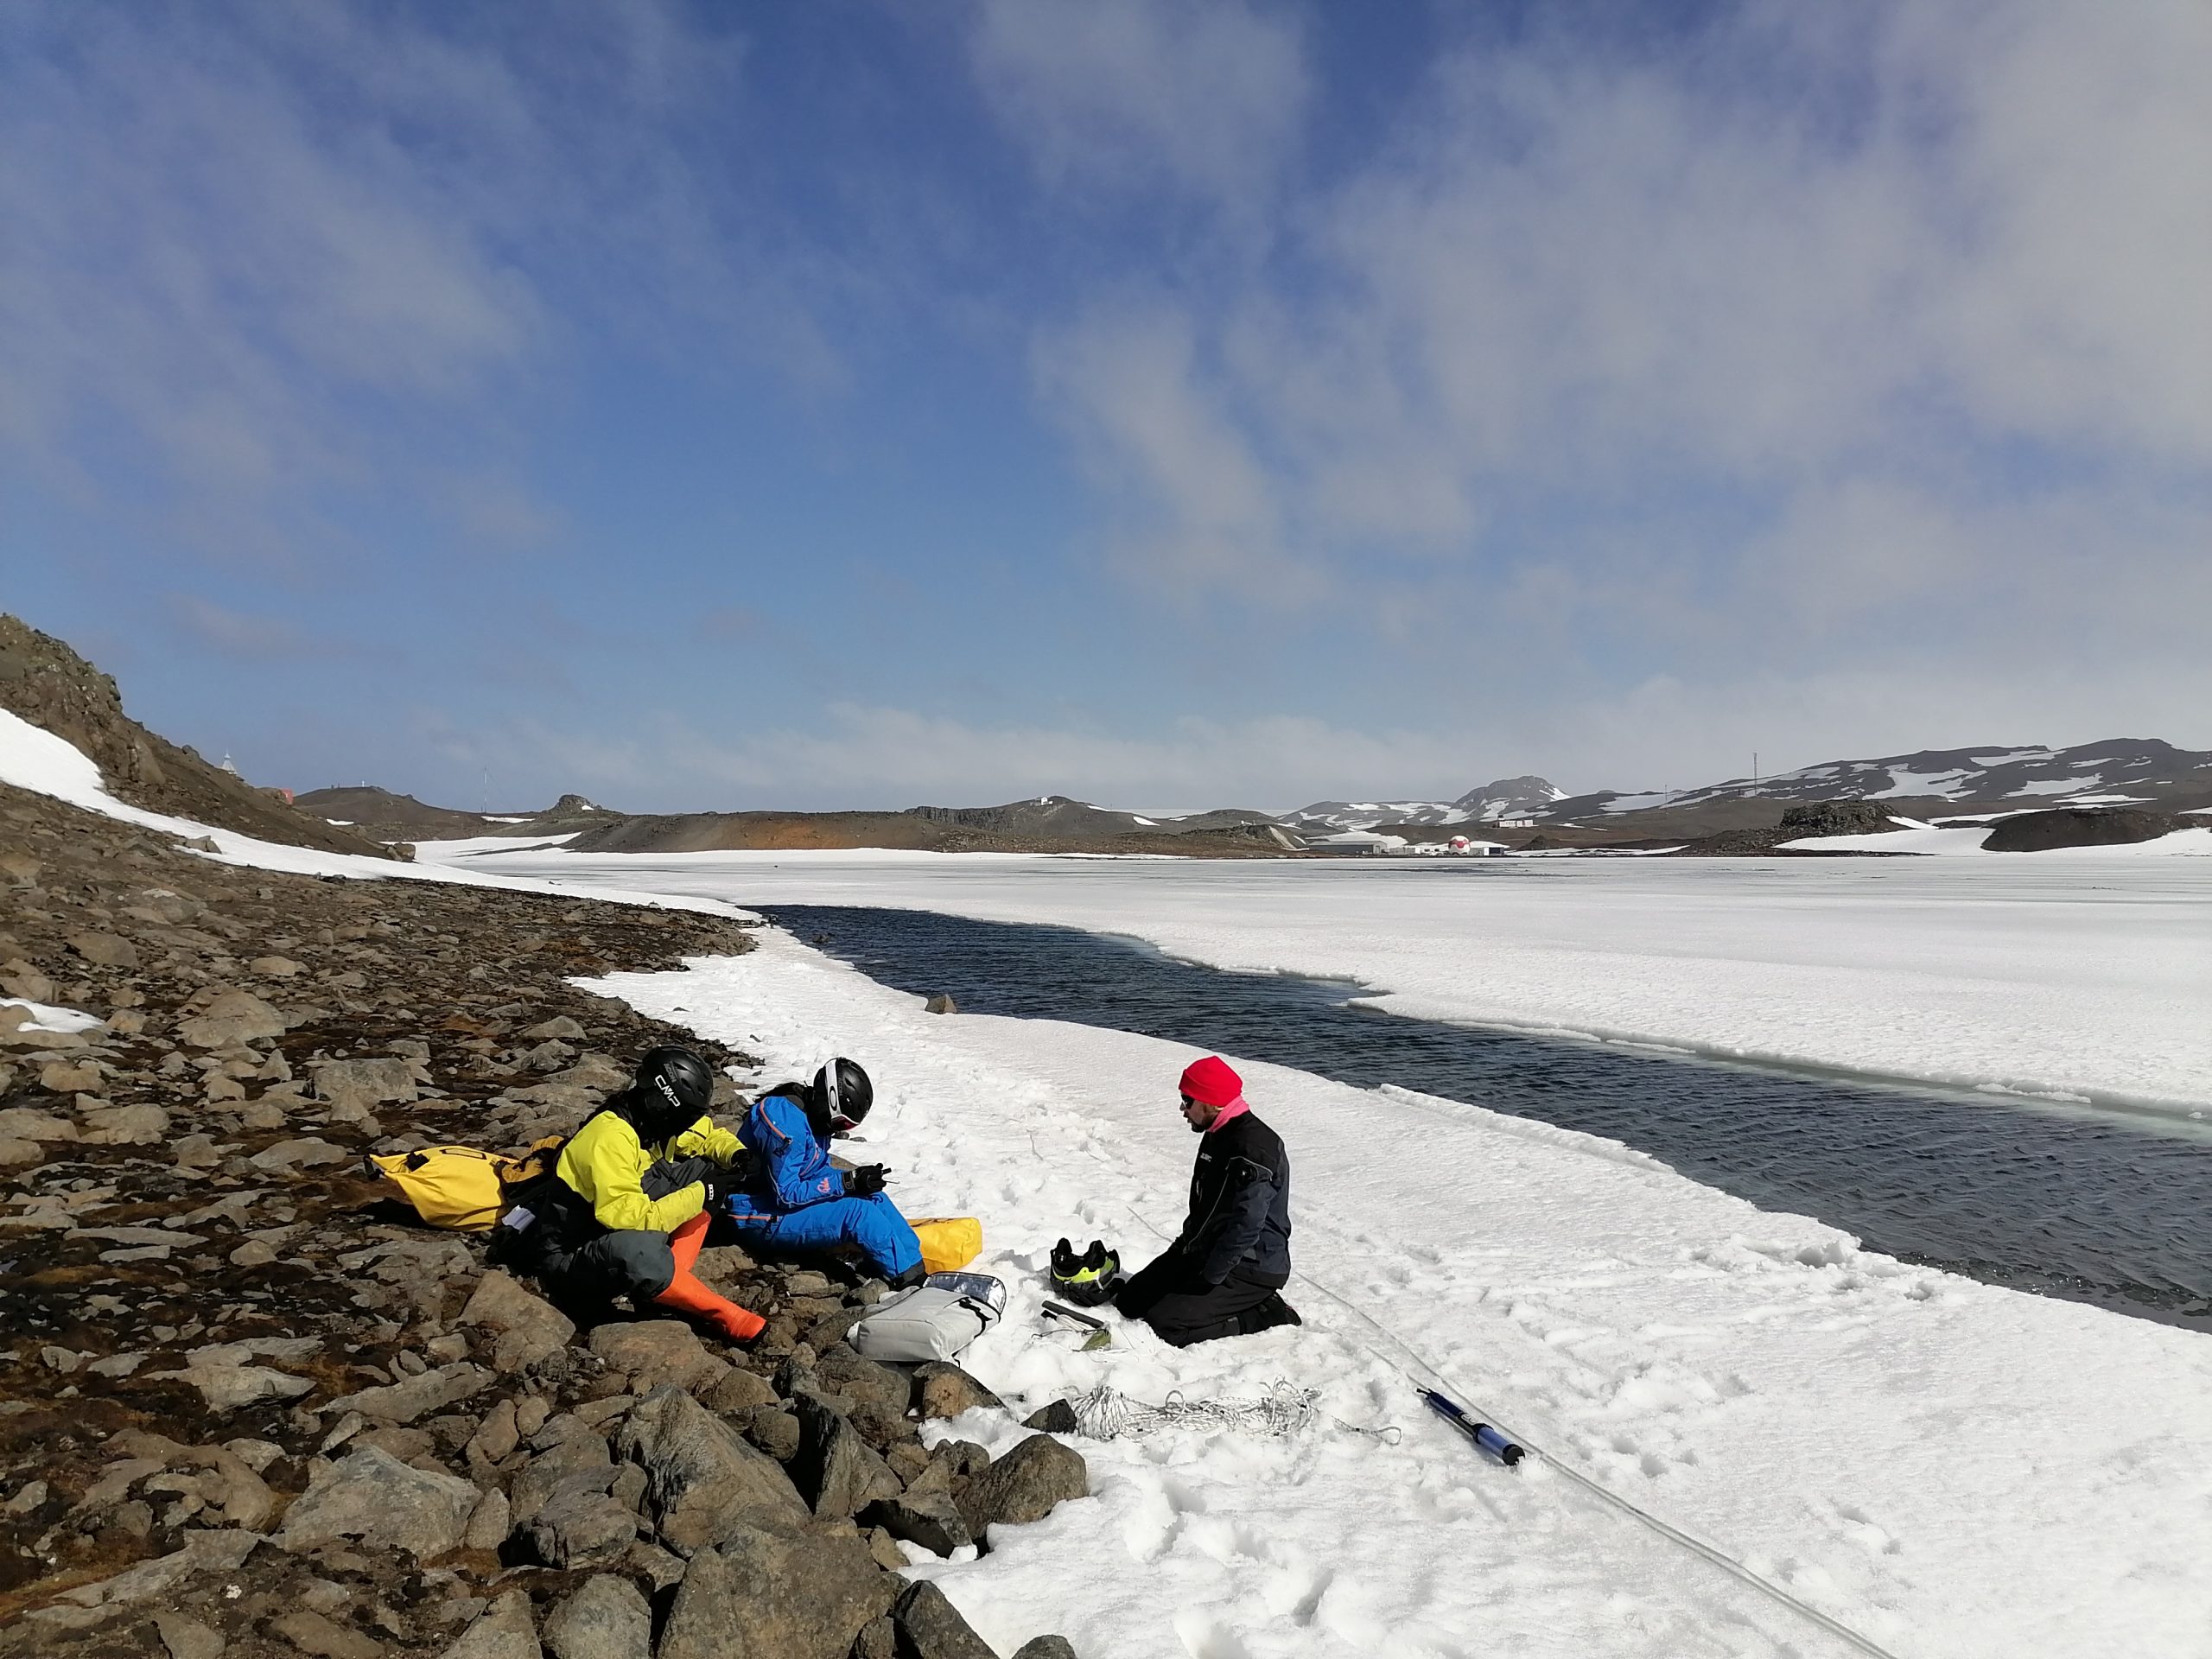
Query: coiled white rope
pixel 1286 1409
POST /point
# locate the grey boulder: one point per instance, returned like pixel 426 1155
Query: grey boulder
pixel 606 1618
pixel 702 1480
pixel 415 1396
pixel 502 1630
pixel 762 1596
pixel 581 1528
pixel 375 1497
pixel 529 1326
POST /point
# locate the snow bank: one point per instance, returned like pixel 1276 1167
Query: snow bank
pixel 1955 839
pixel 1953 1469
pixel 45 1018
pixel 2084 976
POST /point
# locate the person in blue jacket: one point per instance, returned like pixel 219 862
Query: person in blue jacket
pixel 797 1199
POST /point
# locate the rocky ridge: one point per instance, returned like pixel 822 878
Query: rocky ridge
pixel 250 1404
pixel 48 684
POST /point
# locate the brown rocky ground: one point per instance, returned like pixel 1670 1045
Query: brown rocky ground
pixel 249 1405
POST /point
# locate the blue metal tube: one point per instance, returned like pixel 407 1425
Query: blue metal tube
pixel 1482 1435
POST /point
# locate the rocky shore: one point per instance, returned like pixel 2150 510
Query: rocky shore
pixel 250 1404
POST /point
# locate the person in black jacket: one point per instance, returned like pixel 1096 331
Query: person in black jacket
pixel 1223 1275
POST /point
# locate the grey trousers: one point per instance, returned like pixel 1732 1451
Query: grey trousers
pixel 633 1262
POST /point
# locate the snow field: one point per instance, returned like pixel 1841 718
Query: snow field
pixel 2081 979
pixel 1949 1468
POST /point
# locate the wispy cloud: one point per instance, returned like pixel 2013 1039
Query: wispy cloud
pixel 244 637
pixel 1146 95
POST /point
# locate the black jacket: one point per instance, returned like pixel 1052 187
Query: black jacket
pixel 1239 1206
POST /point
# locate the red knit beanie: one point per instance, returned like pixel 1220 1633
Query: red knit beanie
pixel 1212 1083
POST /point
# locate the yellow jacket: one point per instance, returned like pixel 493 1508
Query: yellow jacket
pixel 605 1163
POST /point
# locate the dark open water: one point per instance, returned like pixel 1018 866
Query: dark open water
pixel 2108 1210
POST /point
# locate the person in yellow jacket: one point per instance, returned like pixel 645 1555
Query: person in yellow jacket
pixel 636 1187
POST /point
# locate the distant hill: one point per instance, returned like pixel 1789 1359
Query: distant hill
pixel 1049 824
pixel 1929 782
pixel 1506 798
pixel 1738 815
pixel 383 816
pixel 46 683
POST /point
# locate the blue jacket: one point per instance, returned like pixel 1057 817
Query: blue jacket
pixel 791 1169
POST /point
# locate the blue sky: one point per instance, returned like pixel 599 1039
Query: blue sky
pixel 1170 404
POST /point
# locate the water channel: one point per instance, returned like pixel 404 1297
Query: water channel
pixel 2092 1207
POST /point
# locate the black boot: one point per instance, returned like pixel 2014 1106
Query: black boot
pixel 910 1277
pixel 1266 1316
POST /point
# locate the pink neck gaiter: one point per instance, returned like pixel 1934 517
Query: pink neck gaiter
pixel 1235 1107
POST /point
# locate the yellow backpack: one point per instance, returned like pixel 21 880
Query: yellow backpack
pixel 465 1187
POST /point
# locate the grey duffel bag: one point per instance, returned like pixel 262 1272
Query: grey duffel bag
pixel 934 1320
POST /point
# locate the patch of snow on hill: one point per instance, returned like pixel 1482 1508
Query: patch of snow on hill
pixel 1903 783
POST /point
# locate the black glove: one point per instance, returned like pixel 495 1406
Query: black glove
pixel 716 1187
pixel 865 1182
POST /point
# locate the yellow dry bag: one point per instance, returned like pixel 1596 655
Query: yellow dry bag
pixel 463 1187
pixel 949 1243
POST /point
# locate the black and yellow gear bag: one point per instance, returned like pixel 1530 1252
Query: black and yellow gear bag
pixel 465 1187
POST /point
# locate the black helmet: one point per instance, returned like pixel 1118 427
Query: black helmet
pixel 842 1095
pixel 674 1088
pixel 1088 1280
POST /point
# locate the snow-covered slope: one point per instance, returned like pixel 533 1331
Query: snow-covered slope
pixel 2116 771
pixel 2113 772
pixel 1504 797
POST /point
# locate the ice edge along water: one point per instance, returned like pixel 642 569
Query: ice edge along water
pixel 1907 1451
pixel 1951 1468
pixel 2051 977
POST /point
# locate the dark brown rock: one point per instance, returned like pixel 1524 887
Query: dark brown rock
pixel 943 1390
pixel 1059 1418
pixel 1024 1485
pixel 775 1431
pixel 836 1469
pixel 840 1371
pixel 2079 826
pixel 931 1627
pixel 930 1519
pixel 653 1352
